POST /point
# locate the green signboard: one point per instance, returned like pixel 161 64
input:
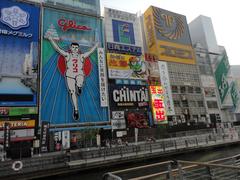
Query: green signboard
pixel 221 77
pixel 234 94
pixel 17 111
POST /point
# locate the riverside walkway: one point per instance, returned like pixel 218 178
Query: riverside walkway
pixel 86 158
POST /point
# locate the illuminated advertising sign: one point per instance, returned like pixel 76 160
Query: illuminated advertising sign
pixel 70 69
pixel 19 134
pixel 167 34
pixel 122 66
pixel 165 82
pixel 128 96
pixel 158 109
pixel 19 124
pixel 221 77
pixel 137 119
pixel 19 35
pixel 17 111
pixel 123 32
pixel 121 48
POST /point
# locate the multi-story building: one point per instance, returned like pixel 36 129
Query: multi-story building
pixel 168 38
pixel 214 71
pixel 127 72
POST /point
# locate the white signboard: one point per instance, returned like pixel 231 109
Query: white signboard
pixel 19 133
pixel 165 82
pixel 118 123
pixel 102 72
pixel 66 139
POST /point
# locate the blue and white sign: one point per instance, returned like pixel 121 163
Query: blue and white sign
pixel 14 17
pixel 121 48
pixel 19 36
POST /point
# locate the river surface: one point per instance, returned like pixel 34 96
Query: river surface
pixel 201 156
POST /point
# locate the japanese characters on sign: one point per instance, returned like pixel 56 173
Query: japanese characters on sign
pixel 165 82
pixel 121 48
pixel 102 77
pixel 158 109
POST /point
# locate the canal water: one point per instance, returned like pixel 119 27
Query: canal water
pixel 201 156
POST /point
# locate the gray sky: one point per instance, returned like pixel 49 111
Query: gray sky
pixel 224 14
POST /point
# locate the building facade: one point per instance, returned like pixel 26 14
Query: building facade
pixel 214 67
pixel 168 38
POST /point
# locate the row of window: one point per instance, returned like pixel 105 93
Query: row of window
pixel 186 89
pixel 186 103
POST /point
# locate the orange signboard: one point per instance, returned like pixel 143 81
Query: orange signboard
pixel 19 124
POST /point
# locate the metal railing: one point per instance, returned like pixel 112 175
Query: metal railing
pixel 221 169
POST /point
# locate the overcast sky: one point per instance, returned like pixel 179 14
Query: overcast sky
pixel 224 14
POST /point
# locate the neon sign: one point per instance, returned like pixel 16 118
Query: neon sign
pixel 66 24
pixel 158 109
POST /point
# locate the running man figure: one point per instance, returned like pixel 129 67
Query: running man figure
pixel 74 74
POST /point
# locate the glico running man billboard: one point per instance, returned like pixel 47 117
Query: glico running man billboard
pixel 167 34
pixel 70 77
pixel 19 34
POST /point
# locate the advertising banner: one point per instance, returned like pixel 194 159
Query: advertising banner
pixel 18 124
pixel 70 73
pixel 234 94
pixel 19 36
pixel 137 119
pixel 17 111
pixel 118 120
pixel 122 48
pixel 102 72
pixel 19 134
pixel 66 139
pixel 167 35
pixel 123 32
pixel 157 101
pixel 221 77
pixel 6 136
pixel 44 136
pixel 128 96
pixel 167 92
pixel 122 66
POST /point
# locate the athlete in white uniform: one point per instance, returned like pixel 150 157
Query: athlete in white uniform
pixel 74 71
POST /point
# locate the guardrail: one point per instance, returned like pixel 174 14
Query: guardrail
pixel 226 168
pixel 150 148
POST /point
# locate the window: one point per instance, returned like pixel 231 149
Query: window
pixel 209 92
pixel 200 104
pixel 174 89
pixel 192 103
pixel 212 104
pixel 185 103
pixel 176 103
pixel 198 90
pixel 190 89
pixel 183 89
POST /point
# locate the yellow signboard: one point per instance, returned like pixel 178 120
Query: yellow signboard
pixel 121 66
pixel 19 124
pixel 167 36
pixel 118 61
pixel 173 52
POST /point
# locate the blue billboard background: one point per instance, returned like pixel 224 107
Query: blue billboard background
pixel 123 32
pixel 56 102
pixel 19 54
